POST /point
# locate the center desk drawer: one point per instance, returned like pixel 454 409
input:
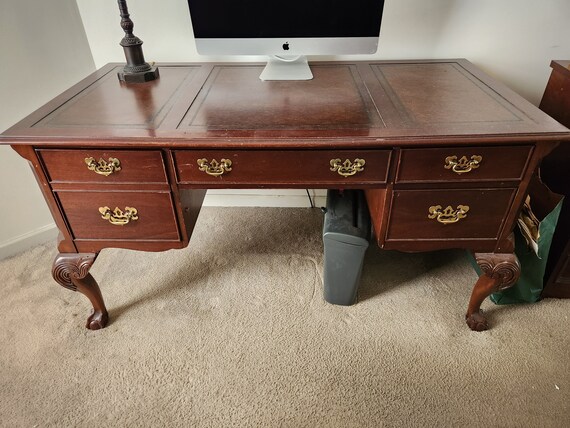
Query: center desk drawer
pixel 448 214
pixel 462 164
pixel 120 215
pixel 98 166
pixel 282 167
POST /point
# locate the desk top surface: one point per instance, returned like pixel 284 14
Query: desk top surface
pixel 364 103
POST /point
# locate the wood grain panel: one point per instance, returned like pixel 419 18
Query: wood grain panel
pixel 354 104
pixel 156 217
pixel 282 167
pixel 410 209
pixel 428 165
pixel 442 93
pixel 136 166
pixel 108 103
pixel 235 98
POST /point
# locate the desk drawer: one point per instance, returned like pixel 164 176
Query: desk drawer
pixel 130 215
pixel 282 167
pixel 463 164
pixel 448 214
pixel 97 166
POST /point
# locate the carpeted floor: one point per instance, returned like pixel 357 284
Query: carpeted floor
pixel 233 331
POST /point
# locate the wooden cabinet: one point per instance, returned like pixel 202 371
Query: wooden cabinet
pixel 554 173
pixel 448 197
pixel 112 197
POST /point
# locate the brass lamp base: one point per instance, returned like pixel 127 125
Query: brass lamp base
pixel 140 76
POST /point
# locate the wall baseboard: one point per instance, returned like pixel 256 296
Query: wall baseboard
pixel 265 198
pixel 214 198
pixel 21 243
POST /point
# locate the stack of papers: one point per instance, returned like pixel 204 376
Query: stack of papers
pixel 528 225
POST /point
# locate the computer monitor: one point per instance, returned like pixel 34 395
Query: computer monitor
pixel 286 30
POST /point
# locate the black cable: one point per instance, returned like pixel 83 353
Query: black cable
pixel 310 199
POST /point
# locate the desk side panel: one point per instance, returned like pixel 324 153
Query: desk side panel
pixel 65 244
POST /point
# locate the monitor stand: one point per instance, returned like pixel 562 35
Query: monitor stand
pixel 286 68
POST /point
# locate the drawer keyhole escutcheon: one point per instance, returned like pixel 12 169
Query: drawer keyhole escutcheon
pixel 214 167
pixel 347 168
pixel 448 215
pixel 117 216
pixel 103 167
pixel 462 165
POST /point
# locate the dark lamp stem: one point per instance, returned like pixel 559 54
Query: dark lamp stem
pixel 137 69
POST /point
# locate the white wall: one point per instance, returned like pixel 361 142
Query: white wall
pixel 43 50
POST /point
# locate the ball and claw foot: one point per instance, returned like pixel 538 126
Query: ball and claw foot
pixel 97 320
pixel 477 321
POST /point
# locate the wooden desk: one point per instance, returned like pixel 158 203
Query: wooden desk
pixel 444 153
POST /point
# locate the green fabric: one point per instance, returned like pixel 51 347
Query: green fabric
pixel 530 284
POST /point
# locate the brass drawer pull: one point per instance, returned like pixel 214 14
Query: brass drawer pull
pixel 102 167
pixel 448 215
pixel 347 168
pixel 213 167
pixel 117 216
pixel 462 165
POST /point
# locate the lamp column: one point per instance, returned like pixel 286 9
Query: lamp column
pixel 137 69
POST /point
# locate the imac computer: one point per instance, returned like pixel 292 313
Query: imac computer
pixel 286 31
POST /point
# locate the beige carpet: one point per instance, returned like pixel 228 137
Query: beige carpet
pixel 233 331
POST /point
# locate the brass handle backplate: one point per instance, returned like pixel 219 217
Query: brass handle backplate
pixel 462 165
pixel 214 167
pixel 347 168
pixel 448 215
pixel 103 167
pixel 117 216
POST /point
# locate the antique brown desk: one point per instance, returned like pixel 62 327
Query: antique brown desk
pixel 444 153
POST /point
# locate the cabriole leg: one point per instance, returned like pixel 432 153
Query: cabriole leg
pixel 500 271
pixel 71 270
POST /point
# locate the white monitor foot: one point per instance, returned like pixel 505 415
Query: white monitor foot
pixel 284 68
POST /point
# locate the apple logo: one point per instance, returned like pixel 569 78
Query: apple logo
pixel 286 46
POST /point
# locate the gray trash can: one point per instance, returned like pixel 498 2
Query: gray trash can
pixel 346 233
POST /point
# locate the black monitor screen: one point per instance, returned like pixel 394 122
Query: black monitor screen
pixel 286 18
